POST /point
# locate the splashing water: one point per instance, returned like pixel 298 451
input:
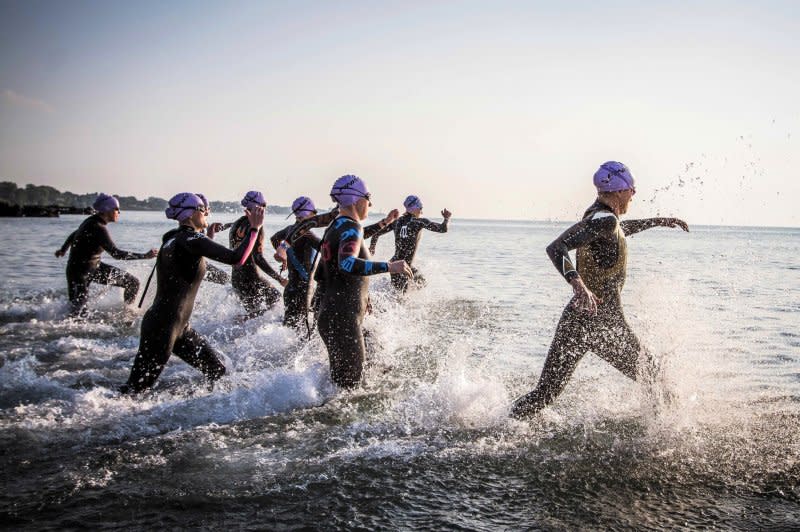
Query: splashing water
pixel 426 441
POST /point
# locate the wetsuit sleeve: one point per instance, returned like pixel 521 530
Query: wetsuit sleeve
pixel 375 230
pixel 104 239
pixel 278 237
pixel 261 262
pixel 68 242
pixel 350 241
pixel 299 229
pixel 580 234
pixel 631 227
pixel 433 226
pixel 200 244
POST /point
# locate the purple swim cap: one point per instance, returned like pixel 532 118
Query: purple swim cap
pixel 202 198
pixel 412 202
pixel 302 207
pixel 612 177
pixel 105 203
pixel 253 199
pixel 183 205
pixel 348 189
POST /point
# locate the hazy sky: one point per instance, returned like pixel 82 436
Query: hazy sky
pixel 492 109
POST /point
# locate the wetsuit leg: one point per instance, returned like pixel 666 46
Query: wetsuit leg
pixel 78 289
pixel 342 335
pixel 155 346
pixel 399 282
pixel 568 347
pixel 198 353
pixel 113 276
pixel 295 302
pixel 614 341
pixel 257 296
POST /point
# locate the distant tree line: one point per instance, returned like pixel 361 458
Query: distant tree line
pixel 46 196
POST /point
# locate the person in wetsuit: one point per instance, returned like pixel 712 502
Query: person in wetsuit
pixel 213 273
pixel 407 233
pixel 181 267
pixel 299 259
pixel 256 293
pixel 594 319
pixel 86 245
pixel 343 273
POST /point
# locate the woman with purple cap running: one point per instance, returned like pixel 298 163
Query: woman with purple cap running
pixel 344 272
pixel 299 260
pixel 86 245
pixel 181 267
pixel 594 320
pixel 256 293
pixel 407 233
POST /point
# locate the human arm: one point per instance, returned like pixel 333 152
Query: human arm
pixel 631 227
pixel 104 239
pixel 382 226
pixel 200 244
pixel 262 263
pixel 350 242
pixel 581 234
pixel 300 228
pixel 67 243
pixel 437 227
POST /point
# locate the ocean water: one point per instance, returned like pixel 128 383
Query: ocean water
pixel 425 443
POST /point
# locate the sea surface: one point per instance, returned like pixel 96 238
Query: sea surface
pixel 426 443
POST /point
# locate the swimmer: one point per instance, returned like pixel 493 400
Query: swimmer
pixel 594 319
pixel 300 259
pixel 344 272
pixel 256 293
pixel 407 233
pixel 181 267
pixel 86 245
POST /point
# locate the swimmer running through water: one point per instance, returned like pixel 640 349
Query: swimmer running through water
pixel 299 260
pixel 181 267
pixel 407 234
pixel 86 244
pixel 594 319
pixel 344 272
pixel 256 293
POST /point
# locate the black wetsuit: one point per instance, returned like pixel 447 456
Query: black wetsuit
pixel 601 262
pixel 86 245
pixel 301 257
pixel 407 233
pixel 256 293
pixel 343 275
pixel 165 326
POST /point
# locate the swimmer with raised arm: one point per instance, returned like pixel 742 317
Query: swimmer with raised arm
pixel 594 320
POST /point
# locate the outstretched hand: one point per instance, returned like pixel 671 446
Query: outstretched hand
pixel 213 229
pixel 255 217
pixel 60 253
pixel 676 222
pixel 584 299
pixel 400 266
pixel 393 215
pixel 446 214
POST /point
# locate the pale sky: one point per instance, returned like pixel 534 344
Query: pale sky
pixel 491 109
